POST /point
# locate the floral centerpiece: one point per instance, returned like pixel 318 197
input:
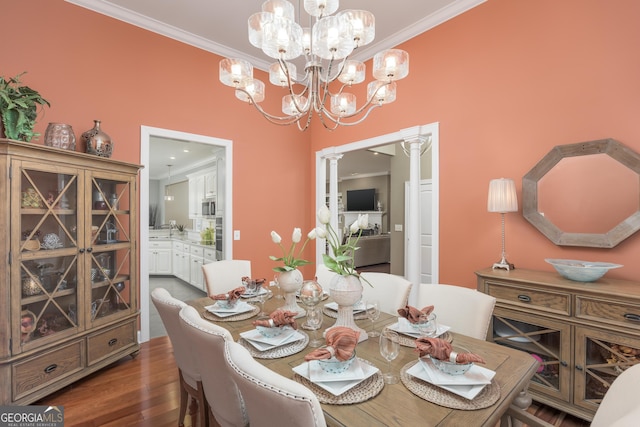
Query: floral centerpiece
pixel 290 278
pixel 341 259
pixel 346 287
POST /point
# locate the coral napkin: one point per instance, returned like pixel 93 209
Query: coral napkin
pixel 341 343
pixel 412 314
pixel 278 318
pixel 441 349
pixel 231 295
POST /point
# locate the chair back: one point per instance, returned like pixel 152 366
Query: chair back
pixel 169 308
pixel 391 291
pixel 222 276
pixel 207 342
pixel 620 406
pixel 465 310
pixel 270 398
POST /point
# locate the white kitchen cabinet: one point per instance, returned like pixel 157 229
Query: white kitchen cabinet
pixel 160 258
pixel 197 276
pixel 196 194
pixel 211 184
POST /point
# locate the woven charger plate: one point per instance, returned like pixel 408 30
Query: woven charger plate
pixel 242 316
pixel 334 314
pixel 364 391
pixel 409 341
pixel 277 352
pixel 434 394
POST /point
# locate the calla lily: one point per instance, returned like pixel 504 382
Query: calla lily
pixel 276 237
pixel 324 215
pixel 297 235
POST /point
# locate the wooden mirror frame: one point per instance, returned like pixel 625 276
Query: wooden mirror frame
pixel 613 237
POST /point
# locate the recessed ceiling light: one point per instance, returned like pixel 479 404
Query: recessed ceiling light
pixel 172 157
pixel 185 150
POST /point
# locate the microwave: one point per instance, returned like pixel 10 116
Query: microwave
pixel 209 207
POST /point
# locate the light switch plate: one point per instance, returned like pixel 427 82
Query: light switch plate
pixel 236 234
pixel 397 227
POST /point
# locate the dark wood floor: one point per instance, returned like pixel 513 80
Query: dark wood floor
pixel 144 392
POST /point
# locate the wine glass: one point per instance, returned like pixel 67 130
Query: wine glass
pixel 314 322
pixel 389 349
pixel 428 325
pixel 277 285
pixel 310 296
pixel 260 298
pixel 373 313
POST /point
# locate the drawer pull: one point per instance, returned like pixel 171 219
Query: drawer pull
pixel 524 298
pixel 49 369
pixel 632 317
pixel 564 363
pixel 579 368
pixel 113 342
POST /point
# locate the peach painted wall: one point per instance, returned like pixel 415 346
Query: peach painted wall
pixel 507 81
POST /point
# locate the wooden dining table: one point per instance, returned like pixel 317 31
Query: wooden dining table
pixel 395 404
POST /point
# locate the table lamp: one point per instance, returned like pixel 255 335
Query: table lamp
pixel 502 199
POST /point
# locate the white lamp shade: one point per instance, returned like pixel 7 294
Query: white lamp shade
pixel 502 196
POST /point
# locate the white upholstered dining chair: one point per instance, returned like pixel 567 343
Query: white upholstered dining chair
pixel 467 311
pixel 271 399
pixel 190 380
pixel 207 342
pixel 222 276
pixel 391 291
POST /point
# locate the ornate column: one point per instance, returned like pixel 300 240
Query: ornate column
pixel 414 144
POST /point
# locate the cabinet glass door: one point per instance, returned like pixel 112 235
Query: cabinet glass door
pixel 110 243
pixel 546 341
pixel 46 260
pixel 600 358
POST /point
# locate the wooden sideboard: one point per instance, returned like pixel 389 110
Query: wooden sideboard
pixel 585 334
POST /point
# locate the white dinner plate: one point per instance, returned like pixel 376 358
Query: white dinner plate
pixel 467 391
pixel 357 308
pixel 353 373
pixel 262 343
pixel 241 307
pixel 404 327
pixel 476 375
pixel 336 387
pixel 262 291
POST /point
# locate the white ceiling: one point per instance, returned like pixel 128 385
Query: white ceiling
pixel 220 27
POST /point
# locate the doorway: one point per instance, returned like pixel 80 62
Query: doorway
pixel 147 134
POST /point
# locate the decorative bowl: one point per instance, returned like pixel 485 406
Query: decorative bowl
pixel 269 332
pixel 581 271
pixel 335 366
pixel 451 367
pixel 227 304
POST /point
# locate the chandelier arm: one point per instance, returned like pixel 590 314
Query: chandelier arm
pixel 338 120
pixel 280 120
pixel 368 103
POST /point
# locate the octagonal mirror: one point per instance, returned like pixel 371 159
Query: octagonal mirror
pixel 584 194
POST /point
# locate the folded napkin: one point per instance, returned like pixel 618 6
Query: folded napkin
pixel 278 318
pixel 341 343
pixel 231 295
pixel 412 314
pixel 441 349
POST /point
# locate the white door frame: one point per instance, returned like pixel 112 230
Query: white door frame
pixel 146 132
pixel 431 129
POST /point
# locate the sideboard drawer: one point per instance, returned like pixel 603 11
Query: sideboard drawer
pixel 555 302
pixel 35 373
pixel 104 344
pixel 613 312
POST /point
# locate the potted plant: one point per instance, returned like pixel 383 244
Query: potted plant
pixel 19 108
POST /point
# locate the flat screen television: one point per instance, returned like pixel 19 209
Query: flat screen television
pixel 361 200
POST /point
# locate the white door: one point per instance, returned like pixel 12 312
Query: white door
pixel 428 241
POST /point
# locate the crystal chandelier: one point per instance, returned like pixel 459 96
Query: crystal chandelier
pixel 328 71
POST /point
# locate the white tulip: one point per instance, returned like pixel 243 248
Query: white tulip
pixel 275 237
pixel 354 227
pixel 324 215
pixel 312 234
pixel 321 232
pixel 296 236
pixel 363 221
